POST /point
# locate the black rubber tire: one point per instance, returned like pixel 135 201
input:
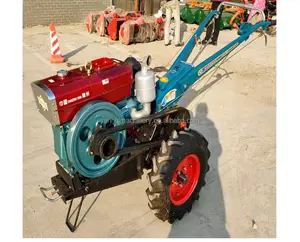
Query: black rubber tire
pixel 165 163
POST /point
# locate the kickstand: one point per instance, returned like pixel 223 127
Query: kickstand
pixel 73 227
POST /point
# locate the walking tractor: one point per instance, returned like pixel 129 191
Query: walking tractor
pixel 112 120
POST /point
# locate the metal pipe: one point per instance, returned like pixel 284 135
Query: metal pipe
pixel 144 112
pixel 240 5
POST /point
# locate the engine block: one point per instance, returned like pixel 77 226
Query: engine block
pixel 60 97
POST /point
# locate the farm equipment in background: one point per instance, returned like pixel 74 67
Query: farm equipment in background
pixel 112 120
pixel 196 12
pixel 108 22
pixel 129 27
pixel 203 5
pixel 142 30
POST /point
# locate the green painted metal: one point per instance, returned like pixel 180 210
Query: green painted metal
pixel 199 16
pixel 192 15
pixel 187 15
pixel 225 20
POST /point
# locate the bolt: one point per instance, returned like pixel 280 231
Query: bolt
pixel 191 165
pixel 180 184
pixel 184 168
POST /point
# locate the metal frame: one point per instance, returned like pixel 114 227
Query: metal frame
pixel 182 75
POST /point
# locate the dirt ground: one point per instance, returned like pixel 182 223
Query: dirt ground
pixel 236 109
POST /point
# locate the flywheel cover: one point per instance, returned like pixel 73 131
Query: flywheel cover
pixel 81 129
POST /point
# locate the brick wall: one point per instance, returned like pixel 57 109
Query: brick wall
pixel 42 12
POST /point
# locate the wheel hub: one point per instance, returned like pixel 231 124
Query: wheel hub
pixel 185 179
pixel 182 178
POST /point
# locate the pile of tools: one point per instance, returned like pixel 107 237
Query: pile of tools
pixel 127 26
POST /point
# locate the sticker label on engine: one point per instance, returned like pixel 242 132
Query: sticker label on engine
pixel 74 99
pixel 171 95
pixel 105 81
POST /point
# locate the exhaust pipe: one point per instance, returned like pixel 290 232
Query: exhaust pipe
pixel 144 112
pixel 145 90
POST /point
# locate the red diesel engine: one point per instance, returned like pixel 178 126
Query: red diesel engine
pixel 61 96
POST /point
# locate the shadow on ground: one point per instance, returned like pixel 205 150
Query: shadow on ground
pixel 207 218
pixel 74 52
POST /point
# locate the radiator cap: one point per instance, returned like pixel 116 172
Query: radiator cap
pixel 62 73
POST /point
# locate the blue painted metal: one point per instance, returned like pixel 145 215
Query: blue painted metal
pixel 60 135
pixel 182 75
pixel 81 129
pixel 127 105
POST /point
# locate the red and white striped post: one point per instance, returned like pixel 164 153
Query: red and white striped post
pixel 56 56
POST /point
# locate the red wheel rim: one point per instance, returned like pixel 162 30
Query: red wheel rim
pixel 185 179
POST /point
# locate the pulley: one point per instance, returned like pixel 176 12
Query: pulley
pixel 89 117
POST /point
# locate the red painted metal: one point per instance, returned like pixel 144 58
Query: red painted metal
pixel 116 22
pixel 110 80
pixel 90 21
pixel 131 31
pixel 96 22
pixel 180 192
pixel 100 25
pixel 182 125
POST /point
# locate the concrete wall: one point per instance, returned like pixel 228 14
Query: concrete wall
pixel 42 12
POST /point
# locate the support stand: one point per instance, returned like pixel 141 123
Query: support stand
pixel 73 227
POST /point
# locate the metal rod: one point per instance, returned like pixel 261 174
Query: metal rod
pixel 43 190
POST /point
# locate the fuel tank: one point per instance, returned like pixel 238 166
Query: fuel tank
pixel 60 97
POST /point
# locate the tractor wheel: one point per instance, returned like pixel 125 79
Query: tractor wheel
pixel 178 174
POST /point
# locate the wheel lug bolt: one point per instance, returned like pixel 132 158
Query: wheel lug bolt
pixel 191 165
pixel 184 168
